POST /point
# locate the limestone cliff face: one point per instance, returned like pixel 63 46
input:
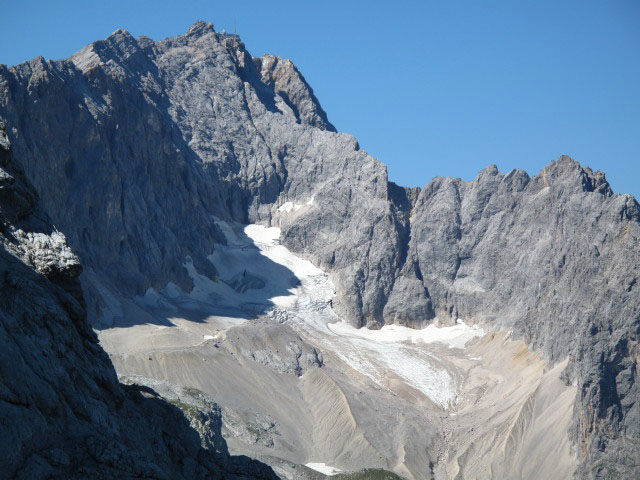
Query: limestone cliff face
pixel 135 145
pixel 150 139
pixel 287 82
pixel 63 413
pixel 555 258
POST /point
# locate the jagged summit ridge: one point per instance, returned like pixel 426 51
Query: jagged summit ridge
pixel 286 81
pixel 200 28
pixel 152 139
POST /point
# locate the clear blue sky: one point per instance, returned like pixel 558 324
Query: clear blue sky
pixel 428 87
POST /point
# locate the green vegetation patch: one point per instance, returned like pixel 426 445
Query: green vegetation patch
pixel 189 411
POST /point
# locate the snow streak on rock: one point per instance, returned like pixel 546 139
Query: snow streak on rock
pixel 378 354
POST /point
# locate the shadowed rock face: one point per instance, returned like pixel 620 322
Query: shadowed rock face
pixel 133 146
pixel 63 413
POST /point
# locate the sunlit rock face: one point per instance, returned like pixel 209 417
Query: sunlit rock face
pixel 139 149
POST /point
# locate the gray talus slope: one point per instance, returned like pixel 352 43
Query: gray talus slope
pixel 134 144
pixel 63 413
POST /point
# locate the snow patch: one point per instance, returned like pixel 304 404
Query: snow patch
pixel 257 272
pixel 417 367
pixel 288 207
pixel 267 239
pixel 381 355
pixel 456 336
pixel 399 351
pixel 152 299
pixel 323 468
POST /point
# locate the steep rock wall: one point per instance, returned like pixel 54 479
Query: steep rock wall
pixel 63 413
pixel 134 145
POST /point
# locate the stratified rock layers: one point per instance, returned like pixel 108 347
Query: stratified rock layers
pixel 134 145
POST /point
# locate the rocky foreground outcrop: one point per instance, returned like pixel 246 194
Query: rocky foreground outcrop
pixel 134 145
pixel 63 413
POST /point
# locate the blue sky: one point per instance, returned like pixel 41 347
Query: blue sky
pixel 428 87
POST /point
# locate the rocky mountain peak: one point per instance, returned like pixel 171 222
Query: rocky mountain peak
pixel 567 173
pixel 199 29
pixel 138 149
pixel 117 49
pixel 285 79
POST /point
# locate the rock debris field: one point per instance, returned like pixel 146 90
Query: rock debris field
pixel 278 351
